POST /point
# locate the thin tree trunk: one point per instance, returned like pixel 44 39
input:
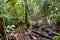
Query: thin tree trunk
pixel 26 14
pixel 2 29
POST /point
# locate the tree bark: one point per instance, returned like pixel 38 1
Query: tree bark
pixel 26 14
pixel 2 29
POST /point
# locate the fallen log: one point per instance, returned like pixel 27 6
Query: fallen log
pixel 42 35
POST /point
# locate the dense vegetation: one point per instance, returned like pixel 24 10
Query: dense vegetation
pixel 30 19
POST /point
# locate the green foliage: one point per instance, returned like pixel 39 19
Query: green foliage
pixel 20 11
pixel 22 28
pixel 56 38
pixel 55 16
pixel 14 11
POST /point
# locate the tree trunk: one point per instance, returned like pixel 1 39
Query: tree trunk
pixel 26 14
pixel 2 29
